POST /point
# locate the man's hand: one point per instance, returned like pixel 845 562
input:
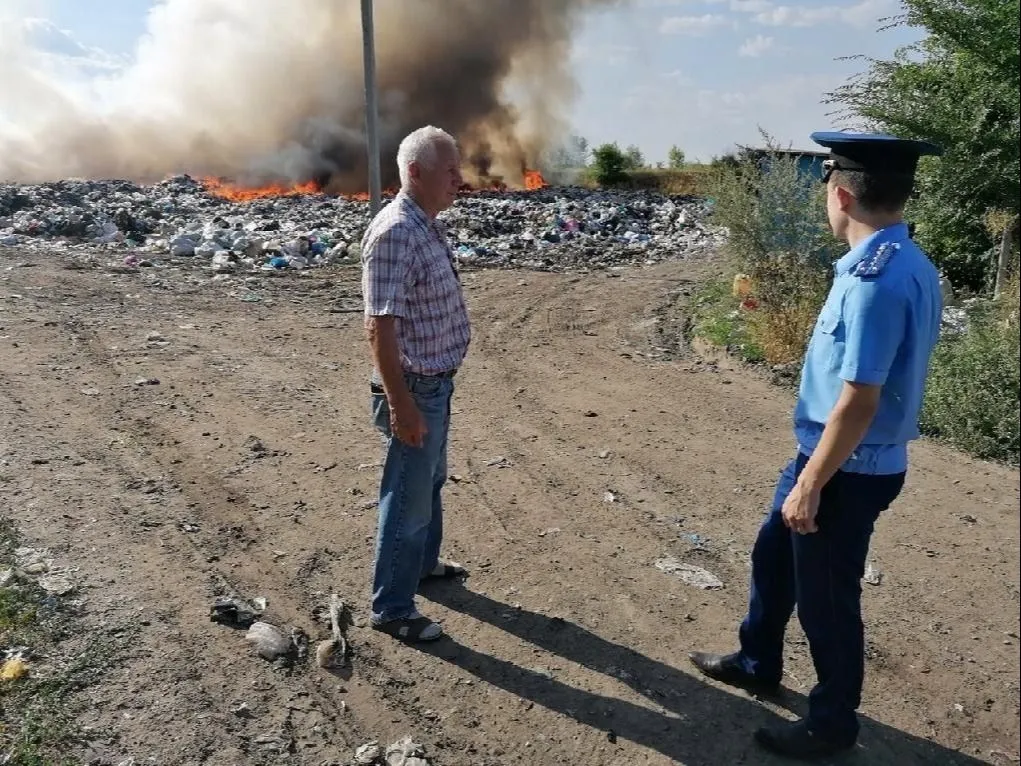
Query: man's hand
pixel 800 509
pixel 845 428
pixel 406 422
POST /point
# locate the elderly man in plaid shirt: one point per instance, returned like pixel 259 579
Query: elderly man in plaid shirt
pixel 418 331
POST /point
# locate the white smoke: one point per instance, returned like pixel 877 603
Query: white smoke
pixel 260 90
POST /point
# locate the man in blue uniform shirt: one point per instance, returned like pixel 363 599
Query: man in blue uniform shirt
pixel 861 390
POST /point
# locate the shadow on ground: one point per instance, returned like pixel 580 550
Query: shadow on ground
pixel 696 724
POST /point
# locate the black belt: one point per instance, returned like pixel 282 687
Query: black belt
pixel 377 388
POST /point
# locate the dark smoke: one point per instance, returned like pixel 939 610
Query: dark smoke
pixel 271 91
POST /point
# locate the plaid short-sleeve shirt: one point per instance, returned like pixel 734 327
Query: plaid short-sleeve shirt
pixel 408 273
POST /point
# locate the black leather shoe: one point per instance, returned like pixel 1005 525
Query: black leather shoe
pixel 726 669
pixel 797 741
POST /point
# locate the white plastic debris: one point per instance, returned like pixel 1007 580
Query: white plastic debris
pixel 368 754
pixel 689 573
pixel 32 561
pixel 406 752
pixel 872 575
pixel 269 640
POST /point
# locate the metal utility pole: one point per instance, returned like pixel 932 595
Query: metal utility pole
pixel 371 112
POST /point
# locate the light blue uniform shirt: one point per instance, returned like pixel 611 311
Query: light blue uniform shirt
pixel 878 326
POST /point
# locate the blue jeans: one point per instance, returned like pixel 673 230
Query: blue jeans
pixel 820 573
pixel 410 509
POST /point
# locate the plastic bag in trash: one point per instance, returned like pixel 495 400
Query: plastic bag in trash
pixel 231 610
pixel 269 640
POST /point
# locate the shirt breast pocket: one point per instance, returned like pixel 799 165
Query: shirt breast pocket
pixel 831 335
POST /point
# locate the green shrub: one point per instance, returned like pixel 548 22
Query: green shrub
pixel 974 386
pixel 609 164
pixel 780 238
pixel 719 320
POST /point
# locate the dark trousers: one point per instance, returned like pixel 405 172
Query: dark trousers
pixel 820 573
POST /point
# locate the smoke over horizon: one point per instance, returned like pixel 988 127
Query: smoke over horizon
pixel 262 91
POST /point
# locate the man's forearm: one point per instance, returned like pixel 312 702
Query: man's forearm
pixel 846 427
pixel 386 357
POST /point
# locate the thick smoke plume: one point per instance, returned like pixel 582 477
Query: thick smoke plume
pixel 263 91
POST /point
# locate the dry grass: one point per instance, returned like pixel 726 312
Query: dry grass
pixel 687 181
pixel 692 180
pixel 782 332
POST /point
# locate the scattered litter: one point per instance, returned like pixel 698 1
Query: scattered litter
pixel 299 643
pixel 269 640
pixel 697 540
pixel 147 382
pixel 13 669
pixel 36 563
pixel 498 462
pixel 179 219
pixel 872 575
pixel 57 582
pixel 332 653
pixel 32 561
pixel 550 531
pixel 689 573
pixel 368 754
pixel 609 497
pixel 254 444
pixel 274 742
pixel 406 752
pixel 237 612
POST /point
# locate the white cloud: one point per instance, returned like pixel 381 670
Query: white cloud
pixel 691 25
pixel 750 6
pixel 677 77
pixel 612 54
pixel 862 14
pixel 754 47
pixel 62 49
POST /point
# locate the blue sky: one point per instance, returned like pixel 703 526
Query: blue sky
pixel 701 74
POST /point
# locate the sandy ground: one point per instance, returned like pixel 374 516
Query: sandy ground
pixel 566 645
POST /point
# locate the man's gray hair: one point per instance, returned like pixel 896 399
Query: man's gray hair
pixel 420 146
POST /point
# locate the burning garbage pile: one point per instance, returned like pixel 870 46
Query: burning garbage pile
pixel 229 228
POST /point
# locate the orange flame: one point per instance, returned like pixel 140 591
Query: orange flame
pixel 534 180
pixel 226 190
pixel 223 189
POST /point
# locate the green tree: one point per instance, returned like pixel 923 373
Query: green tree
pixel 633 158
pixel 675 158
pixel 960 87
pixel 609 164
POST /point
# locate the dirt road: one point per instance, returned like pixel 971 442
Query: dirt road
pixel 588 443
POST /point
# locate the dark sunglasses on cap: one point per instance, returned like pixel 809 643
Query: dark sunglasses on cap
pixel 828 166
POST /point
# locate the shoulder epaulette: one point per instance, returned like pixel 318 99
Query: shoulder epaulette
pixel 874 263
